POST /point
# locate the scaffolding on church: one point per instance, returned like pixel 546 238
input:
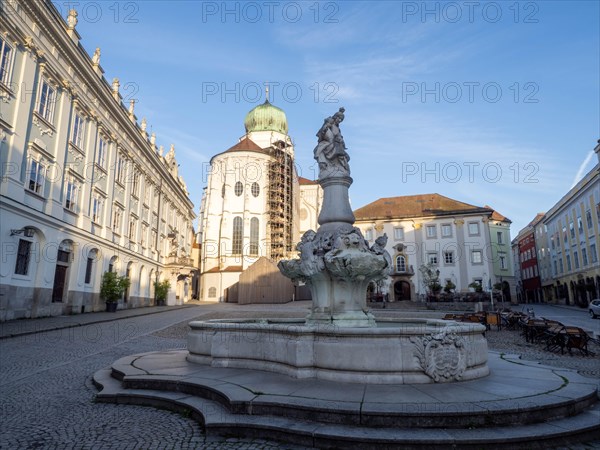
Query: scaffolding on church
pixel 281 201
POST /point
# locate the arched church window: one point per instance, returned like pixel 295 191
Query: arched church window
pixel 238 233
pixel 223 190
pixel 400 264
pixel 255 189
pixel 239 188
pixel 254 236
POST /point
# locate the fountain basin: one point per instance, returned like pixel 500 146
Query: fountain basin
pixel 396 351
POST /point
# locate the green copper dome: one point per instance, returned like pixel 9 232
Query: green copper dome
pixel 266 117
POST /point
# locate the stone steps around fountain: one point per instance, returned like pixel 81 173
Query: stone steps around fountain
pixel 532 394
pixel 230 401
pixel 218 420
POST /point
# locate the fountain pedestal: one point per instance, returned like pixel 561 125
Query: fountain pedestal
pixel 393 352
pixel 336 210
pixel 337 265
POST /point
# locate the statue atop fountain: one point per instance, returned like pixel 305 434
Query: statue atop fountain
pixel 336 261
pixel 330 152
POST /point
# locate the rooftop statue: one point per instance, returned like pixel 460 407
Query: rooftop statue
pixel 72 19
pixel 96 57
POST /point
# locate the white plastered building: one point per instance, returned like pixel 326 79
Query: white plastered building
pixel 84 187
pixel 452 236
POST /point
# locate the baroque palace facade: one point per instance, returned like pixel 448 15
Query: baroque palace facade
pixel 463 243
pixel 84 188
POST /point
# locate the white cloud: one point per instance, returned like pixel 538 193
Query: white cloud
pixel 583 168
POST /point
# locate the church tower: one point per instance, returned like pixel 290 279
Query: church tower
pixel 250 205
pixel 266 125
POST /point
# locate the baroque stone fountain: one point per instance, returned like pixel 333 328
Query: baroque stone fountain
pixel 340 339
pixel 336 261
pixel 356 373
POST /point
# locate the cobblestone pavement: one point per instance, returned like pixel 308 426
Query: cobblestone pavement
pixel 508 341
pixel 46 394
pixel 22 327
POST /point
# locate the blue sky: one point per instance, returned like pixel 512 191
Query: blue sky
pixel 489 103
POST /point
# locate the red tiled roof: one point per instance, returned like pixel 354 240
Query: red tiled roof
pixel 306 181
pixel 529 228
pixel 496 216
pixel 226 269
pixel 415 206
pixel 536 219
pixel 245 144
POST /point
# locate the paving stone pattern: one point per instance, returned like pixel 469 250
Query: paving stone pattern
pixel 46 394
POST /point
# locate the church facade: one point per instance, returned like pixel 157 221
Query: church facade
pixel 254 204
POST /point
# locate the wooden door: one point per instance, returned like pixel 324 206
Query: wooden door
pixel 402 290
pixel 60 279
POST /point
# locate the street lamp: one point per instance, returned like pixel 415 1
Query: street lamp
pixel 26 232
pixel 491 292
pixel 489 283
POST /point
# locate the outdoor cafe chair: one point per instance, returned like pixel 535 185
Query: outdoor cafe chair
pixel 576 338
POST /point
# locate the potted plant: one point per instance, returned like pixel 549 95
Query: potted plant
pixel 476 286
pixel 112 289
pixel 449 288
pixel 161 290
pixel 430 276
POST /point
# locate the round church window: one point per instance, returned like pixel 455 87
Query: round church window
pixel 255 189
pixel 239 188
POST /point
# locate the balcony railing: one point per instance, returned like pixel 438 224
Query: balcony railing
pixel 180 260
pixel 407 270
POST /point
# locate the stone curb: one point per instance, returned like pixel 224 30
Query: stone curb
pixel 12 334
